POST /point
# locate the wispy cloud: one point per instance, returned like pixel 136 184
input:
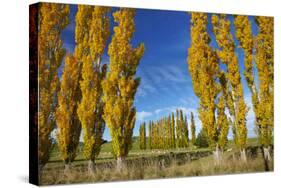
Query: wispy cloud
pixel 168 72
pixel 141 116
pixel 154 78
pixel 190 101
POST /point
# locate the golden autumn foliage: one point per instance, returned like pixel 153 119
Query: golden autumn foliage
pixel 162 133
pixel 69 127
pixel 226 103
pixel 181 130
pixel 245 37
pixel 265 66
pixel 154 135
pixel 169 132
pixel 121 84
pixel 173 135
pixel 90 94
pixel 142 136
pixel 150 134
pixel 53 18
pixel 222 123
pixel 263 95
pixel 91 34
pixel 193 129
pixel 203 68
pixel 228 56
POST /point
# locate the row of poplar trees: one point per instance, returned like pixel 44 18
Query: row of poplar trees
pixel 168 133
pixel 89 92
pixel 220 91
pixel 88 95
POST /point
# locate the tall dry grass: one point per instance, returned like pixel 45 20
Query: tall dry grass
pixel 152 169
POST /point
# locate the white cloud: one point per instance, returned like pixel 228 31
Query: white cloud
pixel 168 73
pixel 146 86
pixel 189 101
pixel 152 76
pixel 142 115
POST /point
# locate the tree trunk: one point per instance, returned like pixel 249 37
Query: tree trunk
pixel 120 163
pixel 217 155
pixel 66 168
pixel 265 159
pixel 243 155
pixel 91 167
pixel 267 153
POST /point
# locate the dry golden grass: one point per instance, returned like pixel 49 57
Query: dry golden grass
pixel 152 169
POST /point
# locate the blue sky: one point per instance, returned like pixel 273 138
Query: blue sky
pixel 165 82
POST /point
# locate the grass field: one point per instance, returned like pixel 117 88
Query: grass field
pixel 149 164
pixel 106 154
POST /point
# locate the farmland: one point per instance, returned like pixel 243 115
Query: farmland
pixel 150 164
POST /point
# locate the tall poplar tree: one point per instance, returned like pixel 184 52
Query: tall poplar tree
pixel 193 129
pixel 170 132
pixel 182 130
pixel 265 66
pixel 203 67
pixel 186 131
pixel 91 34
pixel 121 84
pixel 69 127
pixel 228 56
pixel 173 131
pixel 150 134
pixel 53 18
pixel 142 136
pixel 222 123
pixel 262 91
pixel 178 129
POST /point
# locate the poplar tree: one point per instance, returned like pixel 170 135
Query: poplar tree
pixel 228 57
pixel 222 123
pixel 173 131
pixel 178 129
pixel 186 131
pixel 263 95
pixel 155 136
pixel 166 132
pixel 203 67
pixel 170 132
pixel 121 84
pixel 265 66
pixel 142 136
pixel 150 134
pixel 91 34
pixel 162 132
pixel 193 129
pixel 69 127
pixel 53 18
pixel 182 131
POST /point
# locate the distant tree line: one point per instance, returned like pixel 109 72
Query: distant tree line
pixel 168 132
